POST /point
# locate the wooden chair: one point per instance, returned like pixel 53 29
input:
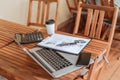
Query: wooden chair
pixel 73 7
pixel 94 23
pixel 108 15
pixel 94 26
pixel 43 12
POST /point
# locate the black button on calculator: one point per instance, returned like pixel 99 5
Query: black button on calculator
pixel 29 37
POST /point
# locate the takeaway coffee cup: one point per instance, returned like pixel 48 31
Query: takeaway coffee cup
pixel 50 25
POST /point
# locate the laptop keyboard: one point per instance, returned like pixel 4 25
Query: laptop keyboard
pixel 54 59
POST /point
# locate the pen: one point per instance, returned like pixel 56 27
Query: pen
pixel 71 43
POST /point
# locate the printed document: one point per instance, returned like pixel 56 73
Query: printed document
pixel 65 43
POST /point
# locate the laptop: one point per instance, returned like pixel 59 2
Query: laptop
pixel 59 66
pixel 62 64
pixel 56 63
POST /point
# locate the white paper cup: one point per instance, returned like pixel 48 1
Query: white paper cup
pixel 50 25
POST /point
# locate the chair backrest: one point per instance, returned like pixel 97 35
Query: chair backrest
pixel 43 12
pixel 73 7
pixel 109 3
pixel 93 27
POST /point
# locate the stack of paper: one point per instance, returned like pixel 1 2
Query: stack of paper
pixel 65 43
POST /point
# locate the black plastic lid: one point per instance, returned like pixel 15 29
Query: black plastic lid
pixel 51 21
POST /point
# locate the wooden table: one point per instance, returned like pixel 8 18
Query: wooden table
pixel 19 65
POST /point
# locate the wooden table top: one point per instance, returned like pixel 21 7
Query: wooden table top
pixel 17 63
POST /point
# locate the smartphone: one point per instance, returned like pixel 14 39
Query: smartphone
pixel 83 59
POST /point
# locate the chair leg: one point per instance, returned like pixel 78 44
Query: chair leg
pixel 91 75
pixel 29 12
pixel 100 72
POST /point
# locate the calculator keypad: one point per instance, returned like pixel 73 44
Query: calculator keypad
pixel 29 37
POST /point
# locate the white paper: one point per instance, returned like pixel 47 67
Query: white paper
pixel 56 40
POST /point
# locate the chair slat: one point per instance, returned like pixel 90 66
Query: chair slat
pixel 43 13
pixel 47 11
pixel 29 13
pixel 94 23
pixel 38 12
pixel 95 30
pixel 100 22
pixel 88 22
pixel 77 22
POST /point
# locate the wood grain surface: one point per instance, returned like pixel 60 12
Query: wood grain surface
pixel 22 67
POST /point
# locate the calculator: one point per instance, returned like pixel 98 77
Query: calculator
pixel 29 37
